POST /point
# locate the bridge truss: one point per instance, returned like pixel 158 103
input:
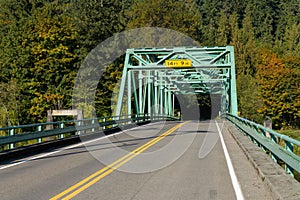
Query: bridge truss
pixel 153 76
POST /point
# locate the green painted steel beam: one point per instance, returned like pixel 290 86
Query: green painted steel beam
pixel 210 65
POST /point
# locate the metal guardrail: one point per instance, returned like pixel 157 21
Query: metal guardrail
pixel 268 140
pixel 18 136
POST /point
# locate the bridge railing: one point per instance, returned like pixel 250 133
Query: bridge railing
pixel 280 147
pixel 18 136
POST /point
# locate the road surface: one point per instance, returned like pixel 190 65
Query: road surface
pixel 163 160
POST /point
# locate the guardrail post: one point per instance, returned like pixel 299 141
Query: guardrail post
pixel 93 122
pixel 274 138
pixel 39 128
pixel 61 125
pixel 113 119
pixel 130 119
pixel 119 121
pixel 255 142
pixel 123 119
pixel 103 120
pixel 263 133
pixel 289 170
pixel 274 157
pixel 290 148
pixel 11 133
pixel 79 124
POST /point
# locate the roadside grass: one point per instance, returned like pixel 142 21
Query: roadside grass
pixel 295 134
pixel 291 133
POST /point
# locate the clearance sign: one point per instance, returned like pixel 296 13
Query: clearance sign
pixel 178 63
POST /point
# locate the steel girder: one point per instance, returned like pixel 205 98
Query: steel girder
pixel 152 83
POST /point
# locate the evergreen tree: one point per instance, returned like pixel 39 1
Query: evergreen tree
pixel 246 45
pixel 181 16
pixel 44 42
pixel 223 33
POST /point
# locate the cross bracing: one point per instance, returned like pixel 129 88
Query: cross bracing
pixel 153 76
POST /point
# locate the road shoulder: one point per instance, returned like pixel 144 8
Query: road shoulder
pixel 250 182
pixel 279 184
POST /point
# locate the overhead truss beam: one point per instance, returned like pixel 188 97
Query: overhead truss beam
pixel 152 83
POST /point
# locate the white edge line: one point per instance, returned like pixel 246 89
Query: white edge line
pixel 234 180
pixel 69 147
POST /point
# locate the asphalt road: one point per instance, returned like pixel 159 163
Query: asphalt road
pixel 166 160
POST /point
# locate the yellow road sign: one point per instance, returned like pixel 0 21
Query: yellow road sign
pixel 178 63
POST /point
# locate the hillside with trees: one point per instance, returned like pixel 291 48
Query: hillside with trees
pixel 44 42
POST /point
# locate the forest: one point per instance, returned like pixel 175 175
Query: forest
pixel 44 42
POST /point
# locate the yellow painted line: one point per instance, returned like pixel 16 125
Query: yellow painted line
pixel 110 168
pixel 76 192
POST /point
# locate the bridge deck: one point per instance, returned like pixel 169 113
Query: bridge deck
pixel 171 167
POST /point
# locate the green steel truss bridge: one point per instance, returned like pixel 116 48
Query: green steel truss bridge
pixel 153 76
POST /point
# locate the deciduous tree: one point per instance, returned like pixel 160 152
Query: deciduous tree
pixel 279 88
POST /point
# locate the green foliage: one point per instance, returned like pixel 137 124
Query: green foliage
pixel 291 133
pixel 44 42
pixel 89 110
pixel 160 13
pixel 291 39
pixel 246 46
pixel 104 101
pixel 54 60
pixel 249 101
pixel 279 91
pixel 97 21
pixel 9 104
pixel 223 32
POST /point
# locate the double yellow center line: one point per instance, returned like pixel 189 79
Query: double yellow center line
pixel 97 176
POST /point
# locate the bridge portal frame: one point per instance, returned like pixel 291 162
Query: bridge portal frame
pixel 152 84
